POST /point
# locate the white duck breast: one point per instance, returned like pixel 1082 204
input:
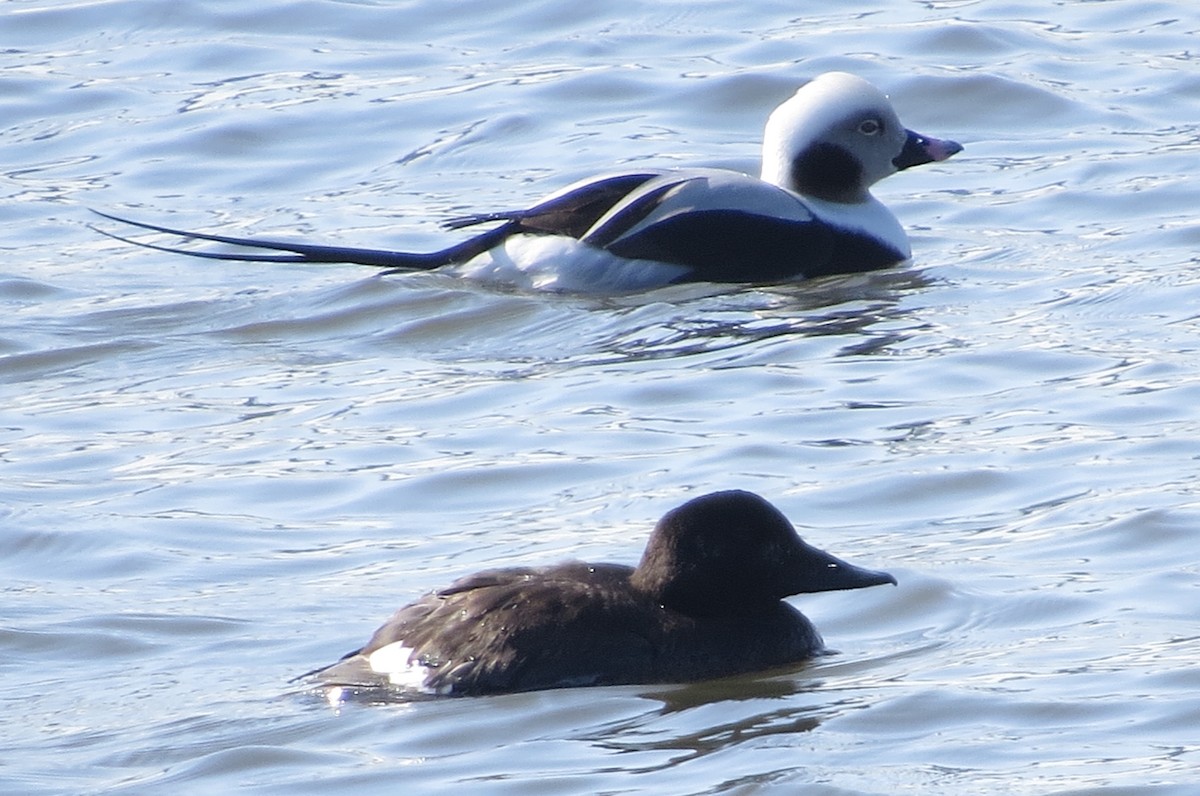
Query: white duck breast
pixel 810 213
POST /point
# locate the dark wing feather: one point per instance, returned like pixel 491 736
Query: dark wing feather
pixel 570 212
pixel 518 630
pixel 731 227
pixel 729 246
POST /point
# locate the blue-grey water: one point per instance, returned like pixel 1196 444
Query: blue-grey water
pixel 215 476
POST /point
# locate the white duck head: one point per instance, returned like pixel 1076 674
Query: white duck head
pixel 839 135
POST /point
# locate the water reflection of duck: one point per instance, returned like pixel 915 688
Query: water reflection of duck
pixel 810 213
pixel 705 601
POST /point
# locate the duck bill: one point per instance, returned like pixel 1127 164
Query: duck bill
pixel 823 572
pixel 920 149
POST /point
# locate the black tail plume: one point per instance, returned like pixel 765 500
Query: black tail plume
pixel 308 253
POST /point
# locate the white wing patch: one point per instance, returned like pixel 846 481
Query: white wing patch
pixel 395 661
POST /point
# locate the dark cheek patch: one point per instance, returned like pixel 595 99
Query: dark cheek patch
pixel 826 171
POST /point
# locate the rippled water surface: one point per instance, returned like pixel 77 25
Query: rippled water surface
pixel 215 476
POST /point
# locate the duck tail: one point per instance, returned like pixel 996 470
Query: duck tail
pixel 309 253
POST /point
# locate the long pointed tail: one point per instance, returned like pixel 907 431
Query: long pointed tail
pixel 308 253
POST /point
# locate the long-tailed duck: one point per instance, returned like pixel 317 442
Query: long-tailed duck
pixel 810 213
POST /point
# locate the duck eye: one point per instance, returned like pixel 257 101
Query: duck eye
pixel 870 126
